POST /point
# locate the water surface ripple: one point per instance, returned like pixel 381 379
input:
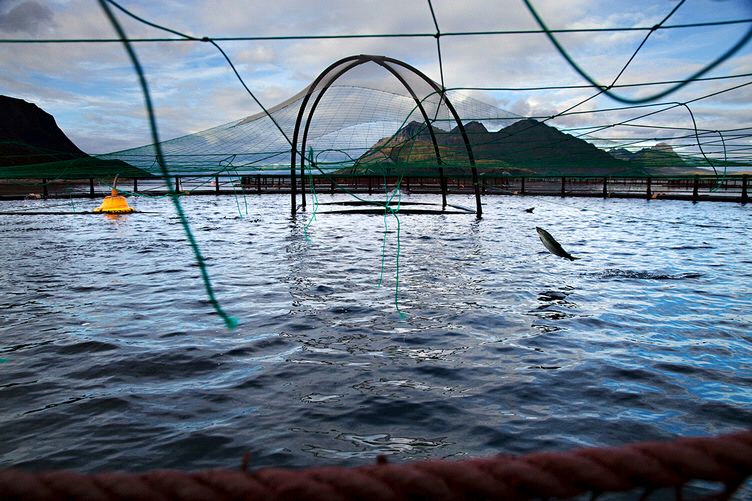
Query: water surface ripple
pixel 413 336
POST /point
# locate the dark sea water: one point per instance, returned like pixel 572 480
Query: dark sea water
pixel 416 336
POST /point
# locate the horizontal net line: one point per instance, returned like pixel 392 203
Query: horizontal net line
pixel 378 35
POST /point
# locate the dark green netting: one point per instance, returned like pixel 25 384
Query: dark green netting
pixel 357 113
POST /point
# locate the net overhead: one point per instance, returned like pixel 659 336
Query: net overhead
pixel 360 107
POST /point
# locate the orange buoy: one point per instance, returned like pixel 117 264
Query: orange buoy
pixel 114 204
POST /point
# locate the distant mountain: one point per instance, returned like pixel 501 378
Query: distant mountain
pixel 526 147
pixel 29 135
pixel 540 148
pixel 33 146
pixel 660 159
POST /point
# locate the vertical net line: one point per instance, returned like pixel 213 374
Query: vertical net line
pixel 438 44
pixel 442 93
pixel 229 321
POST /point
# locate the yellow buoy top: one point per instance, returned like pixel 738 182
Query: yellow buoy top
pixel 114 204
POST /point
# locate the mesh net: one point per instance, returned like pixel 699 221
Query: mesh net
pixel 365 107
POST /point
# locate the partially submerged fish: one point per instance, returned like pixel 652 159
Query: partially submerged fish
pixel 552 245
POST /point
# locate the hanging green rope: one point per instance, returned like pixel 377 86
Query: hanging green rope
pixel 389 210
pixel 314 197
pixel 606 89
pixel 230 322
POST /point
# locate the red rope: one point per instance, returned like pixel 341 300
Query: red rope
pixel 725 459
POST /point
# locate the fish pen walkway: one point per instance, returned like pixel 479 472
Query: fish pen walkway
pixel 729 188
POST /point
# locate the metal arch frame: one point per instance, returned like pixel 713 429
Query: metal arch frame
pixel 412 94
pixel 349 63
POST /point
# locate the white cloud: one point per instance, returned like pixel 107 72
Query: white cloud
pixel 92 89
pixel 24 17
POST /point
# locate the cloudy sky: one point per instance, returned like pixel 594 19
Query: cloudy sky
pixel 494 47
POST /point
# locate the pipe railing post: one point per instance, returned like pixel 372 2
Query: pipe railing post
pixel 696 188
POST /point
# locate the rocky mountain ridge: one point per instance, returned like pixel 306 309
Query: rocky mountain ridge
pixel 30 135
pixel 526 147
pixel 33 146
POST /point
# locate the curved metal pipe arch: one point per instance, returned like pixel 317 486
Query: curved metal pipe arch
pixel 419 105
pixel 384 62
pixel 308 124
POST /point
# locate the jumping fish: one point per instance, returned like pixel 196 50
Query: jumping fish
pixel 552 245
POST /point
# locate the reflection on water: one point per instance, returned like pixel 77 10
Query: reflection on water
pixel 364 447
pixel 453 337
pixel 642 275
pixel 554 305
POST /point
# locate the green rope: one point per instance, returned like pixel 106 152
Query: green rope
pixel 604 89
pixel 230 321
pixel 314 198
pixel 229 168
pixel 607 89
pixel 397 257
pixel 383 250
pixel 388 209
